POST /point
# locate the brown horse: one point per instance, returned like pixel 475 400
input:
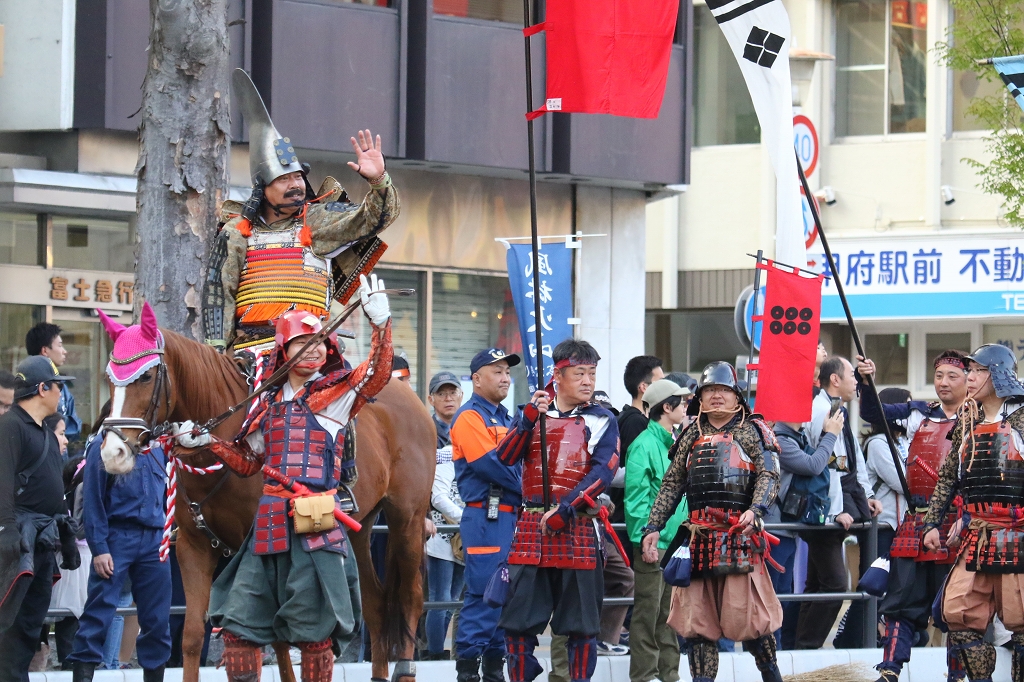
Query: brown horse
pixel 395 445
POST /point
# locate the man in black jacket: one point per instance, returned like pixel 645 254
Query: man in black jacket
pixel 32 512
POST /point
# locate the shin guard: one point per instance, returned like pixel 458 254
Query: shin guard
pixel 522 664
pixel 896 644
pixel 703 659
pixel 976 656
pixel 243 660
pixel 1017 665
pixel 317 661
pixel 763 649
pixel 582 657
pixel 956 669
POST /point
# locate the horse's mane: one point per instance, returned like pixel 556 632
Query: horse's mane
pixel 210 380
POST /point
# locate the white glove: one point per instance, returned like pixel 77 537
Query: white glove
pixel 183 432
pixel 374 300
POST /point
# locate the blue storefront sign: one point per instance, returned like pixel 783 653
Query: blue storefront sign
pixel 925 277
pixel 555 269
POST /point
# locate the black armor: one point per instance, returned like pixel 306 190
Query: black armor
pixel 991 467
pixel 721 475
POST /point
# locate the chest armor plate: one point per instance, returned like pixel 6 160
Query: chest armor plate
pixel 568 460
pixel 991 467
pixel 720 474
pixel 296 445
pixel 280 275
pixel 927 452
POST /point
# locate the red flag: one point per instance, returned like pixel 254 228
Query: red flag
pixel 789 344
pixel 607 56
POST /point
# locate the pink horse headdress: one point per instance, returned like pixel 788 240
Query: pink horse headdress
pixel 136 348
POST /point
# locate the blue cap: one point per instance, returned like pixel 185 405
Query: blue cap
pixel 489 357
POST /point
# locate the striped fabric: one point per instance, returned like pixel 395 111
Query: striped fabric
pixel 280 275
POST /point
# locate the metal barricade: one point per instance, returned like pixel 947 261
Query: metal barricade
pixel 870 611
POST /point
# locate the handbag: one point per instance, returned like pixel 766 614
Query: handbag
pixel 679 567
pixel 314 513
pixel 496 592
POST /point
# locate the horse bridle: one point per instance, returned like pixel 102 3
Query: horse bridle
pixel 147 424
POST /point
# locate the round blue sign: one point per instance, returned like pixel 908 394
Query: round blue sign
pixel 754 328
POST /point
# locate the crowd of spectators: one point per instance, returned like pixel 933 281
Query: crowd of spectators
pixel 830 477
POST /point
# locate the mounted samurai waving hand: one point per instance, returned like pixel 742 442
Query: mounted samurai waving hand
pixel 288 582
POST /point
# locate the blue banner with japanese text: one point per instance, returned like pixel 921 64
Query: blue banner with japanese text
pixel 555 270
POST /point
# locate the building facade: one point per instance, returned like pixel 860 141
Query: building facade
pixel 442 82
pixel 925 257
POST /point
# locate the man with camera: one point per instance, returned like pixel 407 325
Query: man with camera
pixel 851 501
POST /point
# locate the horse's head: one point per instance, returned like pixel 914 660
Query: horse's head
pixel 138 385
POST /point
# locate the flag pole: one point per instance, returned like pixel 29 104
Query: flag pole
pixel 853 328
pixel 757 289
pixel 535 240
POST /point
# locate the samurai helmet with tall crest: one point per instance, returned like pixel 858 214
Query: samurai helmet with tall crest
pixel 270 154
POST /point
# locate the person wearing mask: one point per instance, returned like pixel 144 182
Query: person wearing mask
pixel 851 500
pixel 124 521
pixel 795 458
pixel 915 574
pixel 492 493
pixel 654 650
pixel 44 339
pixel 7 383
pixel 444 551
pixel 34 523
pixel 983 467
pixel 554 565
pixel 726 463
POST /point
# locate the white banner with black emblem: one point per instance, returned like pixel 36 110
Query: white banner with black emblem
pixel 758 33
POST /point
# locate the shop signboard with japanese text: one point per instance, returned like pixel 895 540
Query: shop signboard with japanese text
pixel 911 277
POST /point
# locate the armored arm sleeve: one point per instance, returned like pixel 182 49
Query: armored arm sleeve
pixel 230 274
pixel 239 456
pixel 948 484
pixel 604 462
pixel 354 389
pixel 516 443
pixel 766 465
pixel 334 225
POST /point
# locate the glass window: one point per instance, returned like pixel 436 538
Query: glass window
pixel 723 111
pixel 377 3
pixel 687 341
pixel 936 343
pixel 92 244
pixel 19 239
pixel 480 311
pixel 890 353
pixel 87 347
pixel 881 53
pixel 1011 336
pixel 494 10
pixel 15 321
pixel 405 323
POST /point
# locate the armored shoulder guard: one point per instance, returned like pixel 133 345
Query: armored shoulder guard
pixel 685 440
pixel 213 293
pixel 765 432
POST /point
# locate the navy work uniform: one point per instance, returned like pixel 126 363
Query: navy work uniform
pixel 477 430
pixel 124 517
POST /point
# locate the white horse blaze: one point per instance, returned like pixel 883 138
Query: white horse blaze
pixel 117 457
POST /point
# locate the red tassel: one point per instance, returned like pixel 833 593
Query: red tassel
pixel 244 228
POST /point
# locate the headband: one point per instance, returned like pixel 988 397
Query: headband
pixel 398 373
pixel 955 362
pixel 570 362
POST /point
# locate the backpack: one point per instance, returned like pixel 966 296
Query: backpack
pixel 807 499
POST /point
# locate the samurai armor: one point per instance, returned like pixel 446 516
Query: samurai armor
pixel 991 467
pixel 907 542
pixel 926 454
pixel 568 461
pixel 721 475
pixel 575 547
pixel 720 552
pixel 995 550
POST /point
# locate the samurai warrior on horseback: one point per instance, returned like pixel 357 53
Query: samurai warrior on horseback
pixel 288 248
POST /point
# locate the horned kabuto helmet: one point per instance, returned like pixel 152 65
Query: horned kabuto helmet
pixel 270 155
pixel 1002 367
pixel 716 374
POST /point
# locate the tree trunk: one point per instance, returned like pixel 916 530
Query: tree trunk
pixel 183 157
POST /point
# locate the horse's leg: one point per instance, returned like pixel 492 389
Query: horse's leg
pixel 284 661
pixel 197 561
pixel 405 556
pixel 372 593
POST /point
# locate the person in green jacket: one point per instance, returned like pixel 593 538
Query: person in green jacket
pixel 654 650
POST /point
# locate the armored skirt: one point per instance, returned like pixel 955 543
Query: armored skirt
pixel 295 596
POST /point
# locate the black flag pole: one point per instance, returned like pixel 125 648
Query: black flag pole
pixel 757 290
pixel 535 240
pixel 853 327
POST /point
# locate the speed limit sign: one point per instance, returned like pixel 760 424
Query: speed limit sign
pixel 805 139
